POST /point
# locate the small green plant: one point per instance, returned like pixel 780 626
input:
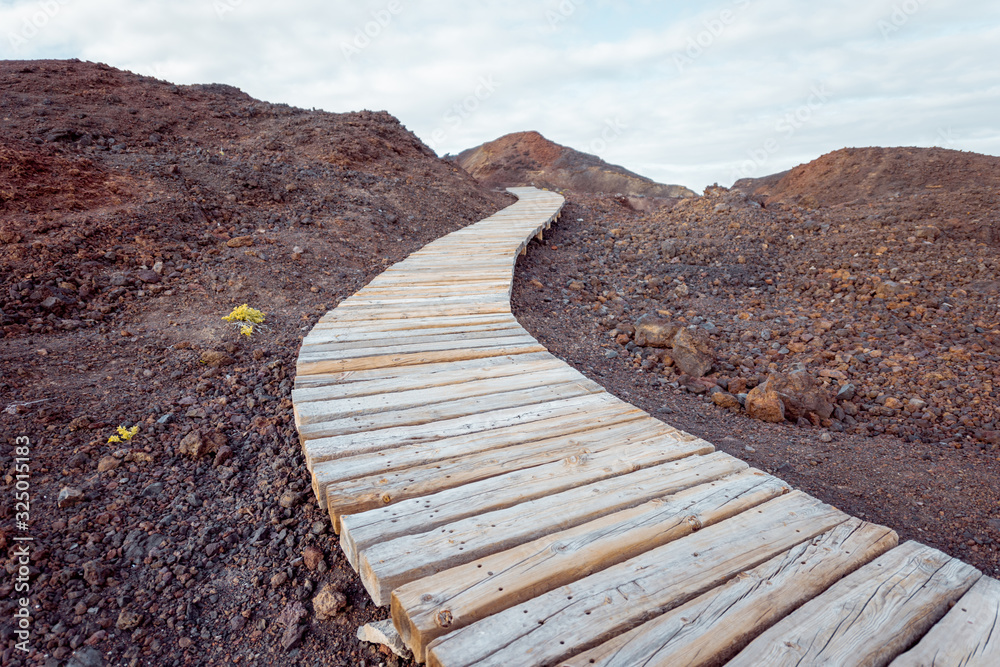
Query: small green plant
pixel 123 434
pixel 246 320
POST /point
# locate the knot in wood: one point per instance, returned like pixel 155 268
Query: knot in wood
pixel 443 618
pixel 386 498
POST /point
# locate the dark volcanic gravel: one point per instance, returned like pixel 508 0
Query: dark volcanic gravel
pixel 890 301
pixel 135 214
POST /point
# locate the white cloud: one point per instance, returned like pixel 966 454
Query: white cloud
pixel 697 91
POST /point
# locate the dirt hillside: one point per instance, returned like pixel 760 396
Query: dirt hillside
pixel 528 158
pixel 134 214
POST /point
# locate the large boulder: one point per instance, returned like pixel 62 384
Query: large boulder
pixel 801 395
pixel 692 352
pixel 765 404
pixel 654 331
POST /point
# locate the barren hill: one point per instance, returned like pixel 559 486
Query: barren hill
pixel 134 214
pixel 528 158
pixel 855 174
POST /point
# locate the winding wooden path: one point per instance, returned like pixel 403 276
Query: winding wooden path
pixel 513 513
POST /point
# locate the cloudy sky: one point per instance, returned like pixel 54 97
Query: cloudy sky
pixel 684 92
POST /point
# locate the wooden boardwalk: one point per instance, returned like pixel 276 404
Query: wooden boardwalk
pixel 514 513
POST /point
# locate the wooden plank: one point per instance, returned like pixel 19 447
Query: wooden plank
pixel 401 313
pixel 327 449
pixel 968 635
pixel 430 607
pixel 426 380
pixel 868 617
pixel 713 627
pixel 413 456
pixel 449 410
pixel 575 617
pixel 329 410
pixel 324 366
pixel 410 323
pixel 383 339
pixel 360 300
pixel 473 367
pixel 360 495
pixel 385 566
pixel 418 515
pixel 421 337
pixel 336 351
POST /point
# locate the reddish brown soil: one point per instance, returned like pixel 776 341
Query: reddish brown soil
pixel 781 285
pixel 528 158
pixel 104 174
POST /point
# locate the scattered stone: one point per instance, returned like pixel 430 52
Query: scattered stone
pixel 290 617
pixel 312 557
pixel 69 496
pixel 692 352
pixel 240 242
pixel 128 620
pixel 279 579
pixel 94 573
pixel 290 499
pixel 726 400
pixel 224 454
pixel 108 463
pixel 193 445
pixel 328 602
pixel 846 392
pixel 86 657
pixel 654 331
pixel 147 276
pixel 825 437
pixel 384 633
pixel 801 395
pixel 216 358
pixel 765 404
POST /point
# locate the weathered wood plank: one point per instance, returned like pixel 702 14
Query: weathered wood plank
pixel 575 617
pixel 329 410
pixel 385 566
pixel 430 607
pixel 419 515
pixel 324 366
pixel 714 626
pixel 410 324
pixel 968 635
pixel 375 336
pixel 399 313
pixel 478 368
pixel 412 343
pixel 399 459
pixel 335 352
pixel 445 411
pixel 327 449
pixel 360 495
pixel 426 380
pixel 868 617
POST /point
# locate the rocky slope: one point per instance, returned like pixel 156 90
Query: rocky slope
pixel 853 348
pixel 528 158
pixel 134 214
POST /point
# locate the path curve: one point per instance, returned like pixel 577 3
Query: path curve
pixel 512 512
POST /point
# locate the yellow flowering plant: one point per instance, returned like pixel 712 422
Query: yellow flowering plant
pixel 246 319
pixel 124 434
